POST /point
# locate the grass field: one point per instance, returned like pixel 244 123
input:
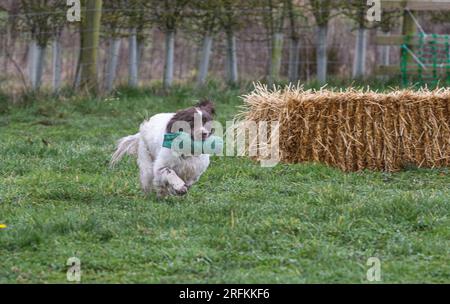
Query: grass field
pixel 240 224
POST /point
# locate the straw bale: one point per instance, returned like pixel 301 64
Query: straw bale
pixel 356 129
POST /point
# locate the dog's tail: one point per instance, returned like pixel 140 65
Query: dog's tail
pixel 127 145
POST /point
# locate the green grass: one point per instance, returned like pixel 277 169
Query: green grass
pixel 240 224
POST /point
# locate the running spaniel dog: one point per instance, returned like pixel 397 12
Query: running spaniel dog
pixel 162 169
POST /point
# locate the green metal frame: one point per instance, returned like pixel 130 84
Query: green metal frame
pixel 431 62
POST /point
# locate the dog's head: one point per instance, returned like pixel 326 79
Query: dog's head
pixel 195 120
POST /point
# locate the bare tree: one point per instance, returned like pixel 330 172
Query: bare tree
pixel 205 21
pixel 10 10
pixel 295 17
pixel 231 19
pixel 57 29
pixel 168 15
pixel 321 10
pixel 137 20
pixel 90 35
pixel 44 20
pixel 113 20
pixel 356 10
pixel 387 23
pixel 274 13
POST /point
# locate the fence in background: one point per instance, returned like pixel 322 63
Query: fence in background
pixel 22 60
pixel 253 49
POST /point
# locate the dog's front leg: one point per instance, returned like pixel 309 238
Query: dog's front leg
pixel 168 182
pixel 174 181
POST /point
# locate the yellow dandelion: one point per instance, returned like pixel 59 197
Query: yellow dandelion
pixel 3 226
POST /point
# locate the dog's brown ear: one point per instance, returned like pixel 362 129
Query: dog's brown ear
pixel 207 105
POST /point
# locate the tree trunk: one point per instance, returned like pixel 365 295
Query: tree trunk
pixel 359 64
pixel 57 64
pixel 204 59
pixel 168 66
pixel 77 81
pixel 36 64
pixel 77 76
pixel 6 45
pixel 322 33
pixel 32 63
pixel 141 49
pixel 232 70
pixel 386 54
pixel 89 45
pixel 275 57
pixel 294 59
pixel 113 59
pixel 133 78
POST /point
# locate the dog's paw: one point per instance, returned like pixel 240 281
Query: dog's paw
pixel 177 185
pixel 182 191
pixel 177 191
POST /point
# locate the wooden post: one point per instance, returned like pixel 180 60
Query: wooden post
pixel 409 28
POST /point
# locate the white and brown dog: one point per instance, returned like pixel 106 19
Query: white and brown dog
pixel 161 169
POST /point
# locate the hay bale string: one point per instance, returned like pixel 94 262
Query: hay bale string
pixel 330 128
pixel 369 136
pixel 405 136
pixel 350 153
pixel 358 130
